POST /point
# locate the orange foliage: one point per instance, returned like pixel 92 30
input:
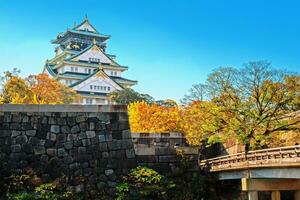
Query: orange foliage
pixel 36 89
pixel 198 121
pixel 152 118
pixel 47 90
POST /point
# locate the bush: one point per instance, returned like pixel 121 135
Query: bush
pixel 144 183
pixel 21 196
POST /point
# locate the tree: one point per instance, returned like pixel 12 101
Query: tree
pixel 35 89
pixel 153 118
pixel 198 92
pixel 201 122
pixel 258 98
pixel 166 103
pixel 49 91
pixel 16 91
pixel 128 95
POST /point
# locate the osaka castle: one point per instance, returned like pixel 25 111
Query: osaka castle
pixel 81 62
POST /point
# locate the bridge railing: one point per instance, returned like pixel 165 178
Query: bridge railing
pixel 273 157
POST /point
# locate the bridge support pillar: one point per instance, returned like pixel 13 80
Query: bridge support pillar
pixel 253 195
pixel 297 195
pixel 275 195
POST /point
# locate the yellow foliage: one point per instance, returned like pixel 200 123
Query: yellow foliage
pixel 152 118
pixel 36 89
pixel 199 121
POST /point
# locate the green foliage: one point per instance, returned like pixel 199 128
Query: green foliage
pixel 46 191
pixel 22 196
pixel 128 95
pixel 144 183
pixel 122 190
pixel 254 102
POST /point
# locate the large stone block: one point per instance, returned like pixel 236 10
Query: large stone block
pixel 60 138
pixel 38 150
pixel 86 142
pixel 15 133
pixel 71 120
pixel 147 158
pixel 126 134
pixel 80 119
pixel 71 137
pixel 114 145
pixel 21 139
pixel 15 148
pixel 51 152
pixel 102 147
pixel 75 129
pixel 54 129
pixel 168 158
pixel 90 134
pixel 31 133
pixel 165 151
pixel 65 129
pixel 7 117
pixel 15 126
pixel 83 126
pixel 61 152
pixel 68 145
pixel 145 151
pixel 130 153
pixel 17 118
pixel 101 138
pixel 61 121
pixel 51 136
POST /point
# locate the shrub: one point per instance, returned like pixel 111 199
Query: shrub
pixel 144 183
pixel 21 196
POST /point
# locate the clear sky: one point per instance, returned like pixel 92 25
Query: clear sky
pixel 167 44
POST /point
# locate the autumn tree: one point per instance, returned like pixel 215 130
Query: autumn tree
pixel 258 98
pixel 201 122
pixel 49 91
pixel 153 118
pixel 14 89
pixel 127 96
pixel 35 89
pixel 198 92
pixel 166 103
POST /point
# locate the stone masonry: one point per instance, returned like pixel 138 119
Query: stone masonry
pixel 86 141
pixel 93 142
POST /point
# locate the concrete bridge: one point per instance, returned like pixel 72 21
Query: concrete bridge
pixel 275 170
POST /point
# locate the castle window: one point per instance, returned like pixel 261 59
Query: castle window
pixel 89 101
pixel 76 69
pixel 115 73
pixel 72 69
pixel 90 71
pixel 108 88
pixel 111 73
pixel 91 87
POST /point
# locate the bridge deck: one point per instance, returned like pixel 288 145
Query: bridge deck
pixel 266 158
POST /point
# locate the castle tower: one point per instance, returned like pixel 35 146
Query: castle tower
pixel 82 63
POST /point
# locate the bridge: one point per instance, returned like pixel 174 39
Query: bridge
pixel 275 170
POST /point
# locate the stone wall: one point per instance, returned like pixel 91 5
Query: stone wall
pixel 77 141
pixel 93 142
pixel 163 151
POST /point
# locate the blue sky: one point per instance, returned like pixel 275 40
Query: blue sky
pixel 168 45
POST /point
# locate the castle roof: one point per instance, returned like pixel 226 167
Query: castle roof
pixel 84 29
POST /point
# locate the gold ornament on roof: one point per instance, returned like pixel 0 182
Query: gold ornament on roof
pixel 100 66
pixel 94 41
